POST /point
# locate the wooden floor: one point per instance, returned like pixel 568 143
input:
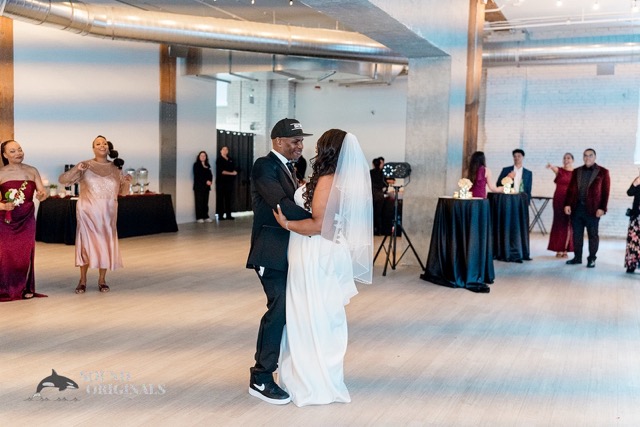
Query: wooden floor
pixel 171 345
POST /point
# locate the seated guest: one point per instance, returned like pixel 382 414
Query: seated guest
pixel 522 177
pixel 480 175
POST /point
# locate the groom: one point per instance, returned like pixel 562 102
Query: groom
pixel 273 183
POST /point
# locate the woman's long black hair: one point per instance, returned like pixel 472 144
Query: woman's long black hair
pixel 477 160
pixel 325 162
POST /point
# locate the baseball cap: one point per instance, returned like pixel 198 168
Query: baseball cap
pixel 288 128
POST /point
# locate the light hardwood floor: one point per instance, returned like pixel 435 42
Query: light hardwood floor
pixel 551 345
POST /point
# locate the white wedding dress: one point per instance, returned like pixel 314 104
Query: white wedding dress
pixel 320 283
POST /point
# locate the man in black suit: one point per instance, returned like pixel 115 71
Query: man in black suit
pixel 522 177
pixel 273 183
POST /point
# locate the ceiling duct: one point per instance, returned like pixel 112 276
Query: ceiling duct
pixel 584 50
pixel 233 65
pixel 196 31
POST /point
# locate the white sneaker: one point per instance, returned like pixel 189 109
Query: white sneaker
pixel 208 220
pixel 200 221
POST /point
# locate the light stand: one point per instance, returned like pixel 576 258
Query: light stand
pixel 396 170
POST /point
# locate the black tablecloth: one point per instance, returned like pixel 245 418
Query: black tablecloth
pixel 510 221
pixel 137 216
pixel 460 254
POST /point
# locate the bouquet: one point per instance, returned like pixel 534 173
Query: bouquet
pixel 507 182
pixel 15 196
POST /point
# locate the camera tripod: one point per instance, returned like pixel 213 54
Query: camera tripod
pixel 392 260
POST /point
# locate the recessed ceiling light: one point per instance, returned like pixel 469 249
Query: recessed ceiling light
pixel 596 5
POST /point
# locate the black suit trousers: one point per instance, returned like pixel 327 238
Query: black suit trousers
pixel 272 324
pixel 579 220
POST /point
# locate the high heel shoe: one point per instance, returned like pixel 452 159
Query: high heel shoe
pixel 103 287
pixel 27 295
pixel 81 288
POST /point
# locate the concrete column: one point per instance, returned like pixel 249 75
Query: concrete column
pixel 168 121
pixel 426 148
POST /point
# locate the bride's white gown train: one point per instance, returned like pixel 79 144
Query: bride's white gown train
pixel 319 285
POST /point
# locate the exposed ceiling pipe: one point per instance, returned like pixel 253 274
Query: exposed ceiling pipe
pixel 562 51
pixel 197 31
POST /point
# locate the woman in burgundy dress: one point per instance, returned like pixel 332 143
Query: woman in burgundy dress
pixel 18 184
pixel 480 176
pixel 561 236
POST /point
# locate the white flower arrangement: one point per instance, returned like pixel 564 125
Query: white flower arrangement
pixel 507 182
pixel 465 183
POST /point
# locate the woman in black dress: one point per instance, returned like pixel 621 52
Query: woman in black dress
pixel 225 180
pixel 202 179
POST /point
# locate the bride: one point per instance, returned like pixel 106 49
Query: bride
pixel 326 253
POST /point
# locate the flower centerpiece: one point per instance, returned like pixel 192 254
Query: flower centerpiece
pixel 15 196
pixel 507 182
pixel 465 185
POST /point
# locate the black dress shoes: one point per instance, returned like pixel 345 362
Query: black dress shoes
pixel 575 261
pixel 591 264
pixel 631 270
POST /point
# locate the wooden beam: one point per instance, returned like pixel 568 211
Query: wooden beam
pixel 474 80
pixel 6 79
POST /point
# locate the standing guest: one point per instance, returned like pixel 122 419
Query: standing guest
pixel 522 177
pixel 632 255
pixel 202 180
pixel 586 202
pixel 480 176
pixel 327 252
pixel 378 189
pixel 19 182
pixel 273 183
pixel 225 179
pixel 561 236
pixel 96 235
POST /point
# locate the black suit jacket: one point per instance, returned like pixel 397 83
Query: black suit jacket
pixel 271 184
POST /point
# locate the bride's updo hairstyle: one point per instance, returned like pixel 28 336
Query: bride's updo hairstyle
pixel 325 161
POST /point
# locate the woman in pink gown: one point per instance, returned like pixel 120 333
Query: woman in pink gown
pixel 480 175
pixel 97 210
pixel 20 182
pixel 561 236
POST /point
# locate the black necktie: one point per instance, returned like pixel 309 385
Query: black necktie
pixel 290 167
pixel 291 170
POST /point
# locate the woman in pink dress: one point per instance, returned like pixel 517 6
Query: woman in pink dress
pixel 18 184
pixel 561 236
pixel 480 175
pixel 101 181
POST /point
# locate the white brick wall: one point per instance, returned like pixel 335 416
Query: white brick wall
pixel 550 110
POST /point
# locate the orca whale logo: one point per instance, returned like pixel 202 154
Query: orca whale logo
pixel 56 381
